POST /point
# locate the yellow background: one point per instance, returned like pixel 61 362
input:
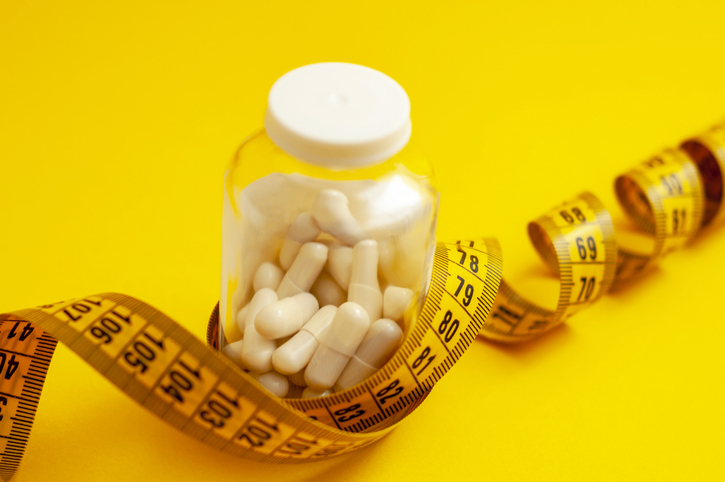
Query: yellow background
pixel 118 118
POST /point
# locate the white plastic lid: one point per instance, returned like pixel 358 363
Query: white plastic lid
pixel 338 115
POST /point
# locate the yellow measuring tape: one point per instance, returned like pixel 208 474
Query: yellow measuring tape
pixel 576 240
pixel 193 387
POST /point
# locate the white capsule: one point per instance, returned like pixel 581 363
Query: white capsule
pixel 303 230
pixel 337 346
pixel 309 393
pixel 268 275
pixel 294 355
pixel 235 329
pixel 233 351
pixel 400 262
pixel 257 350
pixel 304 271
pixel 386 259
pixel 297 379
pixel 261 298
pixel 379 343
pixel 364 287
pixel 327 291
pixel 339 264
pixel 330 210
pixel 395 301
pixel 394 206
pixel 286 316
pixel 272 381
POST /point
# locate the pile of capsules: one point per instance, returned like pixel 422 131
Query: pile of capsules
pixel 319 319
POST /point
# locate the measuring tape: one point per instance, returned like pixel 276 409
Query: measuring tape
pixel 576 240
pixel 669 197
pixel 169 371
pixel 158 363
pixel 664 198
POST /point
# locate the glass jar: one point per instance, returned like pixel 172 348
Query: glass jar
pixel 333 176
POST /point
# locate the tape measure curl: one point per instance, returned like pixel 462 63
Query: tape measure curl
pixel 669 197
pixel 195 388
pixel 576 240
pixel 664 198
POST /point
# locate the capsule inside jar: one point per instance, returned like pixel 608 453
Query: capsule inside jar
pixel 328 228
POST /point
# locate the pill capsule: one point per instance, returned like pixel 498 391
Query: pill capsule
pixel 233 351
pixel 400 261
pixel 309 393
pixel 303 230
pixel 327 291
pixel 386 260
pixel 272 381
pixel 332 214
pixel 286 316
pixel 261 298
pixel 395 301
pixel 394 206
pixel 257 350
pixel 268 275
pixel 296 379
pixel 235 328
pixel 364 287
pixel 294 355
pixel 339 264
pixel 379 343
pixel 238 302
pixel 337 346
pixel 304 270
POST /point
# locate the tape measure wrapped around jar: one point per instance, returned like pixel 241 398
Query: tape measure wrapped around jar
pixel 328 233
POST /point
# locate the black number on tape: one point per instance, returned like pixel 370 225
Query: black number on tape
pixel 654 162
pixel 463 258
pixel 582 249
pixel 421 358
pixel 449 330
pixel 12 365
pixel 142 351
pixel 678 220
pixel 214 407
pixel 24 334
pixel 569 218
pixel 507 316
pixel 396 390
pixel 467 293
pixel 257 434
pixel 587 287
pixel 473 265
pixel 180 382
pixel 672 184
pixel 80 308
pixel 342 413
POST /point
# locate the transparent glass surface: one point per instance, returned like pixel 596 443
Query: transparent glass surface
pixel 265 189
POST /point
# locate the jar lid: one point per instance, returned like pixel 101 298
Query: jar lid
pixel 338 115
